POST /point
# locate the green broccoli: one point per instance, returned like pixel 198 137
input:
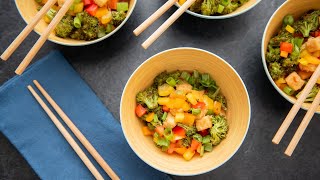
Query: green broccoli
pixel 283 36
pixel 186 142
pixel 219 129
pixel 89 29
pixel 196 6
pixel 118 17
pixel 65 27
pixel 190 130
pixel 232 6
pixel 309 22
pixel 273 54
pixel 289 63
pixel 209 7
pixel 162 77
pixel 276 71
pixel 148 97
pixel 311 95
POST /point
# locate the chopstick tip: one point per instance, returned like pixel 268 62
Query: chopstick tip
pixel 288 153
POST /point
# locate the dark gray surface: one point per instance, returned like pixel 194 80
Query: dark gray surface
pixel 106 66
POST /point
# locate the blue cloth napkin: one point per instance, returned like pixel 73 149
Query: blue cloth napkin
pixel 31 131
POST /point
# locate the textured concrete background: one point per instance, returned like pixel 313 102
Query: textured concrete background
pixel 106 66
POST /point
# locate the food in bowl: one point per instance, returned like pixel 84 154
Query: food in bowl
pixel 184 112
pixel 88 19
pixel 214 7
pixel 294 54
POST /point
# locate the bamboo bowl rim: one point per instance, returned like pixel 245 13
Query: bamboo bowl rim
pixel 83 43
pixel 292 100
pixel 227 16
pixel 247 119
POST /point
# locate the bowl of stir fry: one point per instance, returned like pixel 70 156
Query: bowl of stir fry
pixel 86 22
pixel 219 9
pixel 291 48
pixel 185 111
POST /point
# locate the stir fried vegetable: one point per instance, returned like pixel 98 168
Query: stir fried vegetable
pixel 184 112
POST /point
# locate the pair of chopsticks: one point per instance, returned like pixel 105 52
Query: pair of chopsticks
pixel 44 36
pixel 75 131
pixel 293 112
pixel 165 25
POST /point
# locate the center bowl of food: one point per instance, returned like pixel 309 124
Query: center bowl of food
pixel 86 22
pixel 185 111
pixel 291 48
pixel 219 9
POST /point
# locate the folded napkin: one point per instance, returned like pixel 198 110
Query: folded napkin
pixel 31 131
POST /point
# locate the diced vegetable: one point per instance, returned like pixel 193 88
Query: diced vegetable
pixel 220 8
pixel 288 90
pixel 165 90
pixel 179 117
pixel 180 150
pixel 140 110
pixel 105 19
pixel 87 2
pixel 290 29
pixel 77 22
pixel 78 7
pixel 101 12
pixel 286 47
pixel 288 20
pixel 100 3
pixel 171 148
pixel 194 144
pixel 122 6
pixel 204 123
pixel 165 108
pixel 191 98
pixel 146 131
pixel 188 154
pixel 163 101
pixel 196 111
pixel 150 117
pixel 217 107
pixel 188 119
pixel 284 54
pixel 92 9
pixel 179 131
pixel 113 4
pixel 199 105
pixel 160 130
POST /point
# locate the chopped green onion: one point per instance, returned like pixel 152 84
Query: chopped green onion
pixel 220 8
pixel 298 41
pixel 210 112
pixel 150 126
pixel 164 116
pixel 191 80
pixel 155 118
pixel 168 134
pixel 122 6
pixel 195 111
pixel 171 81
pixel 201 151
pixel 197 137
pixel 206 139
pixel 196 74
pixel 288 90
pixel 225 2
pixel 51 13
pixel 163 142
pixel 208 147
pixel 185 75
pixel 77 22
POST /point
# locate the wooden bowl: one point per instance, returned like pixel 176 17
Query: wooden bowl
pixel 232 87
pixel 296 8
pixel 28 9
pixel 244 8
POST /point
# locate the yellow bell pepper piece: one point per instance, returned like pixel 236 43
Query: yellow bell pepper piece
pixel 165 90
pixel 101 12
pixel 188 154
pixel 216 107
pixel 191 98
pixel 311 59
pixel 284 54
pixel 181 150
pixel 78 7
pixel 181 2
pixel 178 94
pixel 290 29
pixel 303 61
pixel 150 117
pixel 178 103
pixel 163 100
pixel 146 131
pixel 208 101
pixel 186 106
pixel 316 54
pixel 179 117
pixel 198 95
pixel 46 19
pixel 304 53
pixel 105 19
pixel 188 119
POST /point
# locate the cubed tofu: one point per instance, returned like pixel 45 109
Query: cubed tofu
pixel 308 67
pixel 204 123
pixel 202 114
pixel 185 87
pixel 294 81
pixel 313 44
pixel 169 122
pixel 100 3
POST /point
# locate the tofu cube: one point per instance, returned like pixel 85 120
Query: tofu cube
pixel 313 44
pixel 294 81
pixel 204 123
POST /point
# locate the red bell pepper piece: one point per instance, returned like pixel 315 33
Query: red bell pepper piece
pixel 194 144
pixel 140 110
pixel 171 148
pixel 287 47
pixel 113 4
pixel 165 108
pixel 317 33
pixel 160 130
pixel 199 105
pixel 204 132
pixel 87 2
pixel 179 131
pixel 92 9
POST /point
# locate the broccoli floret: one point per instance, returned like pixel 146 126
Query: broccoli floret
pixel 209 7
pixel 289 63
pixel 276 71
pixel 242 2
pixel 89 29
pixel 148 97
pixel 232 6
pixel 219 129
pixel 196 6
pixel 283 36
pixel 309 22
pixel 162 78
pixel 186 142
pixel 118 17
pixel 311 95
pixel 190 130
pixel 65 27
pixel 220 98
pixel 273 54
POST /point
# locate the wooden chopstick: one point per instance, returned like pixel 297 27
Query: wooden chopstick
pixel 77 133
pixel 26 31
pixel 154 17
pixel 295 108
pixel 167 23
pixel 303 125
pixel 67 136
pixel 26 61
